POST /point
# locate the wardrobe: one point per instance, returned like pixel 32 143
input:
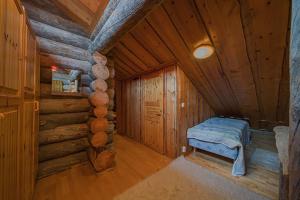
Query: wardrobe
pixel 19 86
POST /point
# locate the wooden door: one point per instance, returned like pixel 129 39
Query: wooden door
pixel 11 98
pixel 30 115
pixel 18 109
pixel 152 111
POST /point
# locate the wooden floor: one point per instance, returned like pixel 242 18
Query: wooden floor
pixel 134 161
pixel 258 178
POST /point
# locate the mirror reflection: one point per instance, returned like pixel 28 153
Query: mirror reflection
pixel 65 80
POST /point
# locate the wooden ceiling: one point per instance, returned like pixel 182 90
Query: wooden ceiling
pixel 83 12
pixel 248 73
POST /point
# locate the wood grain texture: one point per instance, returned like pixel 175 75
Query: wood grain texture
pixel 54 166
pixel 63 133
pixel 54 20
pixel 244 72
pixel 134 161
pixel 48 106
pixel 64 50
pixel 47 60
pixel 123 18
pixel 181 105
pixel 59 35
pixel 60 149
pixel 50 121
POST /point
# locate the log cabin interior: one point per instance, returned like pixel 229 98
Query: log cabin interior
pixel 149 99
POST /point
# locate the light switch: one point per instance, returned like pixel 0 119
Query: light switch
pixel 182 105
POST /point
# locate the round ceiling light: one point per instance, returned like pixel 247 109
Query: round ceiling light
pixel 203 51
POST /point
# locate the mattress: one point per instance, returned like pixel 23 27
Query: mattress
pixel 223 136
pixel 219 149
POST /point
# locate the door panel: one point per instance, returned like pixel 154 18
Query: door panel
pixel 30 52
pixel 152 111
pixel 11 67
pixel 9 124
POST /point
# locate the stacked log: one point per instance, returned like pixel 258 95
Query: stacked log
pixel 100 153
pixel 63 136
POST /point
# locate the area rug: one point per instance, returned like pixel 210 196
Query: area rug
pixel 183 179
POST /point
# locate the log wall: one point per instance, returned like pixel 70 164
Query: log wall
pixel 63 136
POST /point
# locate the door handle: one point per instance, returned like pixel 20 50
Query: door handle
pixel 36 106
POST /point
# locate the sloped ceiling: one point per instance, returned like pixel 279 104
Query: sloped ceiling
pixel 248 73
pixel 83 12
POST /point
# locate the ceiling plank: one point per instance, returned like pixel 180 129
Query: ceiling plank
pixel 163 26
pixel 76 11
pixel 92 5
pixel 265 27
pixel 139 51
pixel 121 48
pixel 147 36
pixel 182 13
pixel 223 23
pixel 99 13
pixel 125 67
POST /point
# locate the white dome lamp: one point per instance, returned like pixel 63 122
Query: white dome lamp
pixel 203 51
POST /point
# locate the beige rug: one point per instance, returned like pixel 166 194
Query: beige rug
pixel 182 180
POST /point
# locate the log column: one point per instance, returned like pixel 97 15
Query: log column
pixel 101 124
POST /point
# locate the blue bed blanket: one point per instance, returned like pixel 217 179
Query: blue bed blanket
pixel 229 132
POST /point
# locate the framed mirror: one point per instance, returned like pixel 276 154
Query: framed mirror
pixel 66 81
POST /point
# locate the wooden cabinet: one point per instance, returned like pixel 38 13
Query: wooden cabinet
pixel 9 146
pixel 19 73
pixel 10 54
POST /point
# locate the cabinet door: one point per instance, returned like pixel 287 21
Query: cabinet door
pixel 2 38
pixel 10 81
pixel 9 143
pixel 30 54
pixel 28 160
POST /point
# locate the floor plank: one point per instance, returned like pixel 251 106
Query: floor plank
pixel 257 179
pixel 134 161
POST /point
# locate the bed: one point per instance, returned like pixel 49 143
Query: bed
pixel 223 136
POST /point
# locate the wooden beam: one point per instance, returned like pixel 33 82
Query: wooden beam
pixel 57 165
pixel 59 35
pixel 125 16
pixel 61 49
pixel 45 17
pixel 76 10
pixel 103 5
pixel 294 139
pixel 111 6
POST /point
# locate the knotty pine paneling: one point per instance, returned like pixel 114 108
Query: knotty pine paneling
pixel 183 107
pixel 245 77
pixel 192 108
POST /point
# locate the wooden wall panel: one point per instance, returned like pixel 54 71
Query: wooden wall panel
pixel 183 107
pixel 245 76
pixel 192 108
pixel 128 97
pixel 170 111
